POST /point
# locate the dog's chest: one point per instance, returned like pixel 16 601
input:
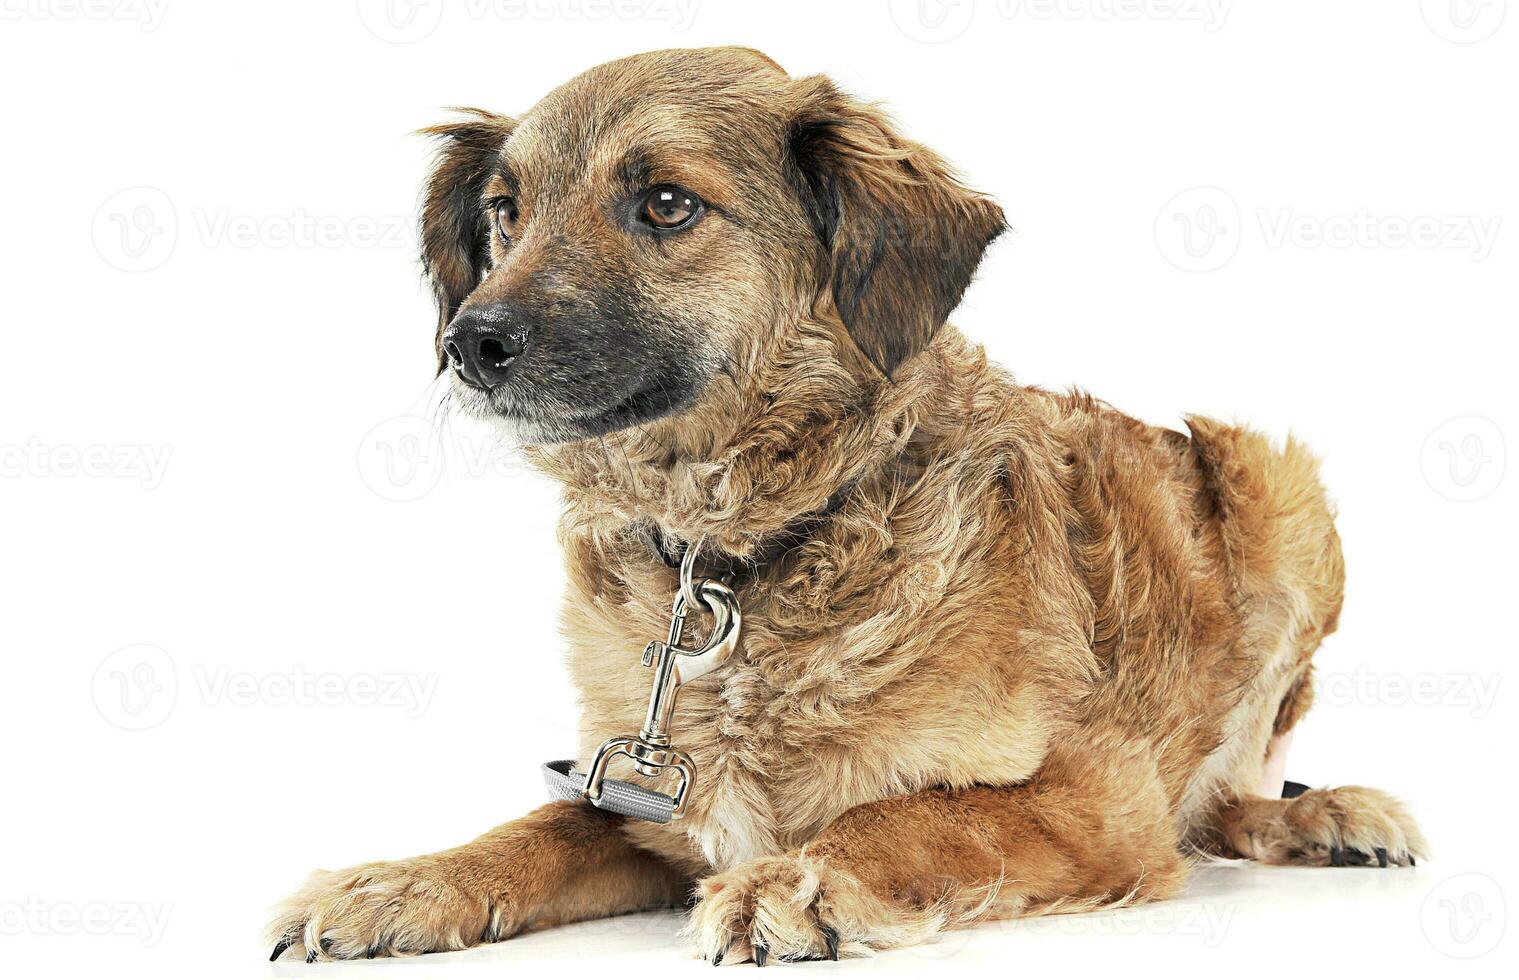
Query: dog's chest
pixel 805 721
pixel 768 777
pixel 781 748
pixel 766 772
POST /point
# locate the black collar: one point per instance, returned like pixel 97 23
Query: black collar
pixel 670 550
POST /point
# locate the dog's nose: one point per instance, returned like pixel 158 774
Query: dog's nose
pixel 482 342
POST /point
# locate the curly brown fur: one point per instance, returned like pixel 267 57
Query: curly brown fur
pixel 1037 652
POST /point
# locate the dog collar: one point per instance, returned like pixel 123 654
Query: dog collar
pixel 728 566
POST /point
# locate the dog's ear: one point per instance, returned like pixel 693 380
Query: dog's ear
pixel 455 229
pixel 902 236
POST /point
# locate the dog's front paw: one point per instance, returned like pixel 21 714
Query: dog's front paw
pixel 794 907
pixel 390 908
pixel 1346 825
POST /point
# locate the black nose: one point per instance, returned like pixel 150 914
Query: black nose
pixel 482 342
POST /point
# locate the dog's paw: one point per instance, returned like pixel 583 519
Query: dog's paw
pixel 793 907
pixel 391 908
pixel 1344 826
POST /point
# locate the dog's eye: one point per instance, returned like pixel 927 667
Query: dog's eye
pixel 668 207
pixel 506 216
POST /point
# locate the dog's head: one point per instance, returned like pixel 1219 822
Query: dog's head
pixel 652 225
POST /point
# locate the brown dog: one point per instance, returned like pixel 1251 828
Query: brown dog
pixel 1004 651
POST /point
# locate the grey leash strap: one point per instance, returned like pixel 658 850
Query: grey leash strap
pixel 628 799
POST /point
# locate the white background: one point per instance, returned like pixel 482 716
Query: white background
pixel 252 312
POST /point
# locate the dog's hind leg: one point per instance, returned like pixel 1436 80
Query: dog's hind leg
pixel 1092 829
pixel 1346 825
pixel 564 862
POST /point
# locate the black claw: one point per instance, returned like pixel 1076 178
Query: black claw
pixel 311 956
pixel 718 959
pixel 280 947
pixel 1357 858
pixel 1412 861
pixel 761 953
pixel 370 952
pixel 831 941
pixel 1337 857
pixel 1381 857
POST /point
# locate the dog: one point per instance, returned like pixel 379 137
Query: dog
pixel 1004 652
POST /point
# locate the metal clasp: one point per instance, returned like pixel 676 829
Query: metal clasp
pixel 674 665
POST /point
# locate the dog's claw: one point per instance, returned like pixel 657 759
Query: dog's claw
pixel 311 956
pixel 717 959
pixel 1337 857
pixel 761 953
pixel 831 941
pixel 1381 857
pixel 280 947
